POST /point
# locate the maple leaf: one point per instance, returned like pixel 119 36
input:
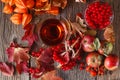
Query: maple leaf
pixel 51 76
pixel 6 69
pixel 22 67
pixel 44 62
pixel 46 56
pixel 29 34
pixel 17 53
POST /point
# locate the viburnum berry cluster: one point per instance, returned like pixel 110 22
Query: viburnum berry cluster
pixel 81 48
pixel 98 15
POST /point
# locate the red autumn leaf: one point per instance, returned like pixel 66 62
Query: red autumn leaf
pixel 22 67
pixel 17 53
pixel 44 62
pixel 29 34
pixel 6 69
pixel 51 76
pixel 46 56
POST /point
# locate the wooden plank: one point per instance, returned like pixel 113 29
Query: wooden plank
pixel 8 31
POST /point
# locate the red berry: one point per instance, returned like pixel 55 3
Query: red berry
pixel 68 66
pixel 31 70
pixel 88 68
pixel 37 70
pixel 93 73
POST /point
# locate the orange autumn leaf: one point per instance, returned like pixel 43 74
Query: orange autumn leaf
pixel 26 18
pixel 7 9
pixel 16 19
pixel 51 76
pixel 21 10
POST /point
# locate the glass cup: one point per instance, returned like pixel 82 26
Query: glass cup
pixel 52 31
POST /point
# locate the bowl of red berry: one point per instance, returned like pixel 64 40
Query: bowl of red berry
pixel 98 15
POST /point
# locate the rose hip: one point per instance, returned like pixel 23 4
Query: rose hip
pixel 98 15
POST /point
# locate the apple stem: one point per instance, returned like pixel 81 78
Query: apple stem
pixel 105 55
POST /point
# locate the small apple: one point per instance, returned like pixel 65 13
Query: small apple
pixel 111 62
pixel 87 43
pixel 94 59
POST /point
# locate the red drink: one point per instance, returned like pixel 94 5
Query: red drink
pixel 52 32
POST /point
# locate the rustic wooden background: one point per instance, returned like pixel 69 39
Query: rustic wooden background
pixel 8 31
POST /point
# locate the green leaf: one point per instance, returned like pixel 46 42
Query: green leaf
pixel 96 44
pixel 108 48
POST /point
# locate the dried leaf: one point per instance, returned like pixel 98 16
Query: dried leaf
pixel 51 76
pixel 17 53
pixel 29 34
pixel 22 67
pixel 6 69
pixel 109 34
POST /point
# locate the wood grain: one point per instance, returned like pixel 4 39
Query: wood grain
pixel 8 31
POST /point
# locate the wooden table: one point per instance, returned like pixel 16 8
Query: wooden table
pixel 8 31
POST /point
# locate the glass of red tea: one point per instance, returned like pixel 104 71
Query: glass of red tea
pixel 52 31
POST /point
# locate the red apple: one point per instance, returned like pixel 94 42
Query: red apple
pixel 87 43
pixel 111 62
pixel 94 59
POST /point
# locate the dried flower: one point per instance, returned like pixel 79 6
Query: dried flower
pixel 5 1
pixel 26 18
pixel 16 19
pixel 7 9
pixel 30 4
pixel 11 2
pixel 20 3
pixel 109 34
pixel 20 10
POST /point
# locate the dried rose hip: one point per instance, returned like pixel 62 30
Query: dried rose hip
pixel 98 15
